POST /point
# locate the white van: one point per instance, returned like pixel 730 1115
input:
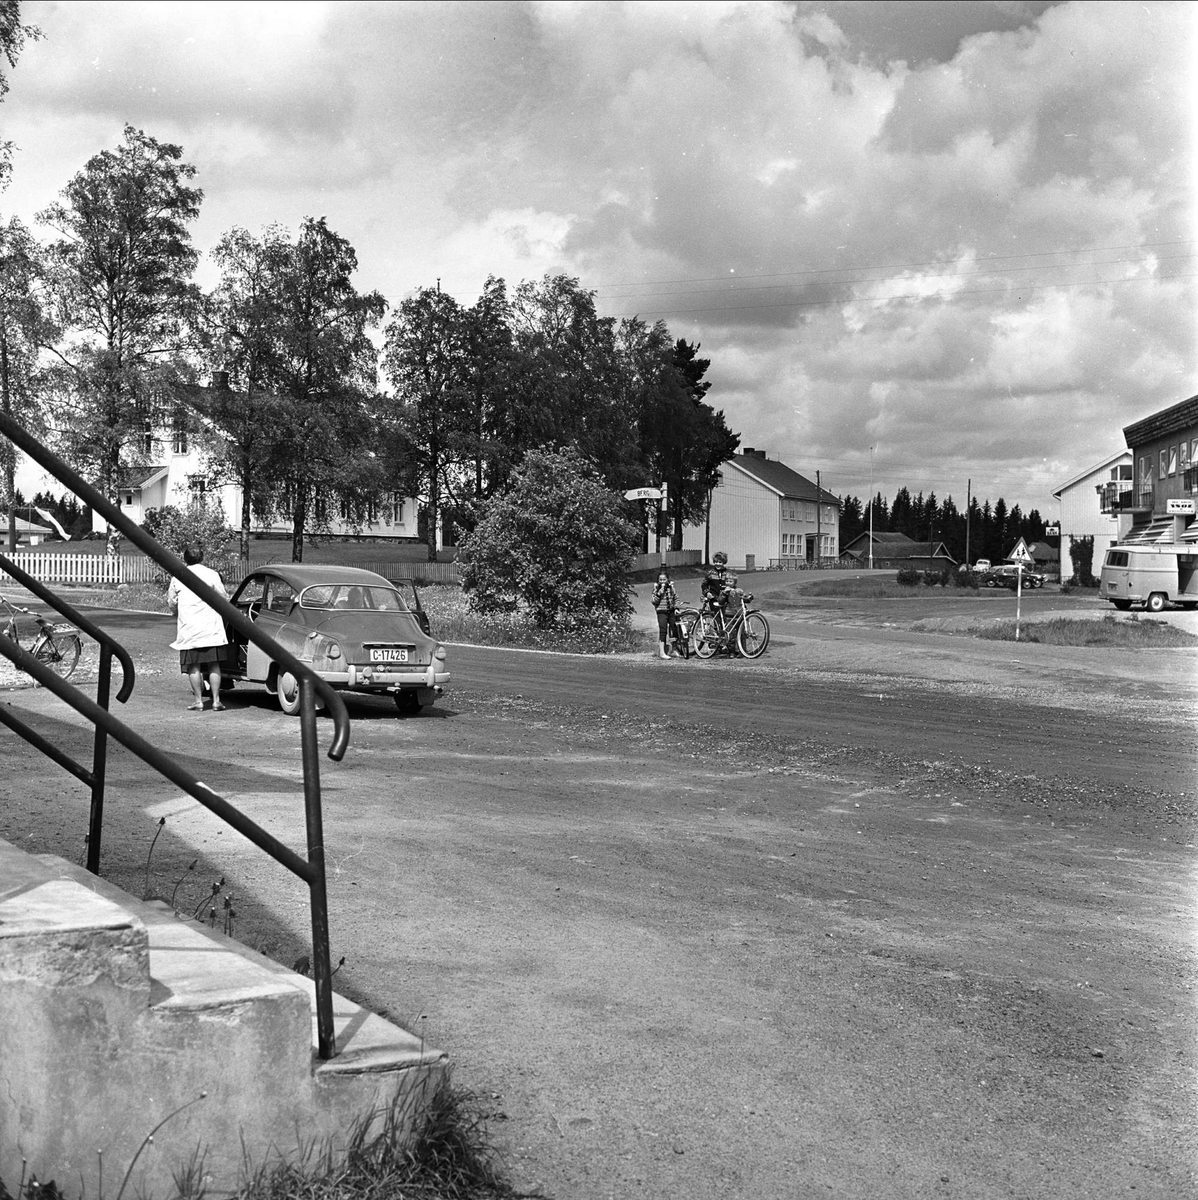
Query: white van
pixel 1151 576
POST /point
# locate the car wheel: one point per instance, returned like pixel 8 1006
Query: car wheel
pixel 287 690
pixel 1156 602
pixel 408 703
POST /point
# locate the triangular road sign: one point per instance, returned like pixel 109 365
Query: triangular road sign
pixel 1021 554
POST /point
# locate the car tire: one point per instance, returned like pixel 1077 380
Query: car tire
pixel 287 691
pixel 1156 602
pixel 408 703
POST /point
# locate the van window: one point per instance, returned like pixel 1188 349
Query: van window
pixel 1116 558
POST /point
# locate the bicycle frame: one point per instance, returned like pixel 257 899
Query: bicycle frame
pixel 46 631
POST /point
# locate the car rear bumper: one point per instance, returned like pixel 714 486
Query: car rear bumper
pixel 381 679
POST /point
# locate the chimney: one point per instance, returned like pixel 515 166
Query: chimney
pixel 220 379
pixel 749 452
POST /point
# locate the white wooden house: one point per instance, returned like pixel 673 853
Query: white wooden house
pixel 763 514
pixel 1089 503
pixel 176 474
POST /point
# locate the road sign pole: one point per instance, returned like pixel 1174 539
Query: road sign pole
pixel 1018 595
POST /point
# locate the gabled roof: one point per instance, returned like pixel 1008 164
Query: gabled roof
pixel 779 478
pixel 139 477
pixel 896 545
pixel 1102 466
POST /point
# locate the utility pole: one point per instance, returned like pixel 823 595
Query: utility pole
pixel 819 542
pixel 968 506
pixel 871 508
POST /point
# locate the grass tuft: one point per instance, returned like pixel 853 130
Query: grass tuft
pixel 453 621
pixel 1129 633
pixel 448 1158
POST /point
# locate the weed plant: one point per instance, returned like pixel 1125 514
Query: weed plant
pixel 449 1158
pixel 437 1150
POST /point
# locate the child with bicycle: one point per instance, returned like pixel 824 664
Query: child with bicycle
pixel 715 587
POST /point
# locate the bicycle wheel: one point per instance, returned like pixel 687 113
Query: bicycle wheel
pixel 684 621
pixel 60 652
pixel 703 637
pixel 753 635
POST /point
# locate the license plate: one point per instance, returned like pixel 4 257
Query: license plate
pixel 389 654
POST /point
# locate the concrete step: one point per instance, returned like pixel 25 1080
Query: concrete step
pixel 116 1016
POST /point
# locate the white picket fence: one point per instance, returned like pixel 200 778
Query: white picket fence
pixel 85 569
pixel 113 570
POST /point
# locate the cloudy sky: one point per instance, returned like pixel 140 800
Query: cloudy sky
pixel 961 234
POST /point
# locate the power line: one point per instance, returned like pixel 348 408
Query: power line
pixel 896 269
pixel 1038 287
pixel 774 287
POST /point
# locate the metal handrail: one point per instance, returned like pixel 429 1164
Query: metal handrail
pixel 311 871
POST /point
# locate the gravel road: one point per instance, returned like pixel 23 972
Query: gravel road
pixel 889 913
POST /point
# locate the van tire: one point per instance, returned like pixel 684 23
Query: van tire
pixel 1156 602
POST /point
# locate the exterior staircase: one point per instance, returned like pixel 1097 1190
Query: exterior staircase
pixel 118 1020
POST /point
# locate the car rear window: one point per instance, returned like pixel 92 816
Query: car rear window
pixel 354 597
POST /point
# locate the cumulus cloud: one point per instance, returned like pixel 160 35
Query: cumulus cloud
pixel 959 233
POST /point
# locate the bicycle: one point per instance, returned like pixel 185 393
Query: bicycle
pixel 678 633
pixel 708 631
pixel 56 646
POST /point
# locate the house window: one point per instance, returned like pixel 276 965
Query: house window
pixel 1184 450
pixel 198 486
pixel 147 439
pixel 1164 463
pixel 1173 460
pixel 179 432
pixel 344 509
pixel 322 508
pixel 372 511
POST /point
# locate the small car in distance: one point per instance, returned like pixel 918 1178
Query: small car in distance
pixel 1005 575
pixel 357 630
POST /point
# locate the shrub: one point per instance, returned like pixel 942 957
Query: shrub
pixel 1081 552
pixel 554 546
pixel 177 528
pixel 965 578
pixel 909 576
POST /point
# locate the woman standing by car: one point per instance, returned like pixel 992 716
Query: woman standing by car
pixel 201 638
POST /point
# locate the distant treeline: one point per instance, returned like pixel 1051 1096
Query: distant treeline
pixel 993 529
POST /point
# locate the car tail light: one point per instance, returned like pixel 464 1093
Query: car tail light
pixel 439 653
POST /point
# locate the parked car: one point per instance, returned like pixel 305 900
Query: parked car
pixel 359 632
pixel 1004 575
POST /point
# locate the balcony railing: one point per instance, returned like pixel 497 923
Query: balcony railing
pixel 1120 495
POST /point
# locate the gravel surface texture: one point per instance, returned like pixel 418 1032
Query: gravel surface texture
pixel 887 913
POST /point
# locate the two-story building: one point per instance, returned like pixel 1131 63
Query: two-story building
pixel 764 514
pixel 1088 503
pixel 1159 507
pixel 176 473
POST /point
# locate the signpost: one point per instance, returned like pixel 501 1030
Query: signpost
pixel 656 501
pixel 1021 556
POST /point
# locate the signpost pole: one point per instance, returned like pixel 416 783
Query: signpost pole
pixel 1018 595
